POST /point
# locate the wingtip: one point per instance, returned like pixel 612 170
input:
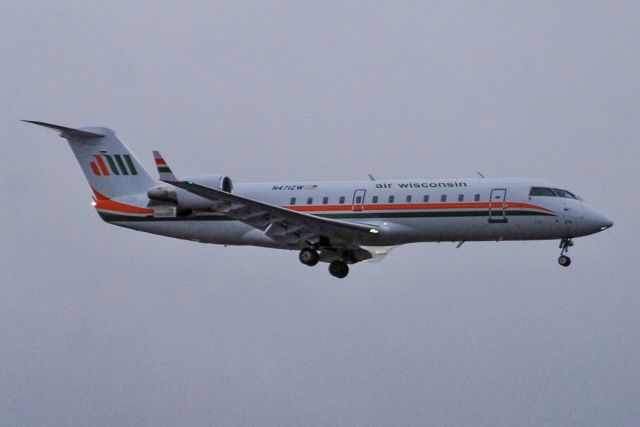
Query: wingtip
pixel 67 131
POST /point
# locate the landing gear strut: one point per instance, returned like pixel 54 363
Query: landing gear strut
pixel 309 257
pixel 339 269
pixel 564 260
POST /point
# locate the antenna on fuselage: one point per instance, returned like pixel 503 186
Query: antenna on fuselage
pixel 480 174
pixel 371 177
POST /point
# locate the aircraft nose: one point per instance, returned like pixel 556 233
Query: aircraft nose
pixel 605 223
pixel 592 221
pixel 600 221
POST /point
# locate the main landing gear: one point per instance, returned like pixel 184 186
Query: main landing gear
pixel 564 260
pixel 309 257
pixel 337 268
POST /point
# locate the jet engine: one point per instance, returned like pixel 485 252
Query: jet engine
pixel 185 200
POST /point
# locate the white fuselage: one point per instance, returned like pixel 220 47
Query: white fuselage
pixel 412 210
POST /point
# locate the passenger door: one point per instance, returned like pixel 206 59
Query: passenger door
pixel 498 205
pixel 358 200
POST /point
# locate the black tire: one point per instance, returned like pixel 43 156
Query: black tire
pixel 564 260
pixel 309 257
pixel 339 269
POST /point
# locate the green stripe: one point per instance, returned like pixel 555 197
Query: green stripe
pixel 121 164
pixel 112 165
pixel 132 167
pixel 164 169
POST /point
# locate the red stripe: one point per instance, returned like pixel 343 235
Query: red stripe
pixel 94 168
pixel 160 162
pixel 103 167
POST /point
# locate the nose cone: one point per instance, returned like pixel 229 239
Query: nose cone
pixel 604 223
pixel 597 221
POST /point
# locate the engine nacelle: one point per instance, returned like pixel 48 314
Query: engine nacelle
pixel 185 200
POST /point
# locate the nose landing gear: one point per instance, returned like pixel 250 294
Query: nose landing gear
pixel 564 260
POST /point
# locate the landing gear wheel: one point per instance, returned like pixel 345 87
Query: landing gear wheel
pixel 565 244
pixel 339 269
pixel 564 260
pixel 309 257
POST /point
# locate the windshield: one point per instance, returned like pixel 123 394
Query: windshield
pixel 552 192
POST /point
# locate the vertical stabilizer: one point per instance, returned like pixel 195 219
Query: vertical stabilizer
pixel 108 165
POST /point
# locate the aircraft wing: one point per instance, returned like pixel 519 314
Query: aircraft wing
pixel 278 223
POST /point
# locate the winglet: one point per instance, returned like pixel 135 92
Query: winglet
pixel 66 132
pixel 164 171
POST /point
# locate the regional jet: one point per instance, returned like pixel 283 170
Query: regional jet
pixel 339 223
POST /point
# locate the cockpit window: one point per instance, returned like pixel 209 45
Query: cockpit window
pixel 552 192
pixel 565 193
pixel 542 191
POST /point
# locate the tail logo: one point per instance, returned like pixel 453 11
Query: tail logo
pixel 116 167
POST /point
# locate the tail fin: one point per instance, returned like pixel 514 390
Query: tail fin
pixel 110 168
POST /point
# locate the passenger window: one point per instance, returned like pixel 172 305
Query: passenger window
pixel 292 201
pixel 358 200
pixel 443 198
pixel 461 197
pixel 391 199
pixel 374 199
pixel 309 200
pixel 408 199
pixel 425 198
pixel 325 200
pixel 541 191
pixel 341 200
pixel 476 198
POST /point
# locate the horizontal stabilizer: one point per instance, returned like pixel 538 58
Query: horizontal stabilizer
pixel 67 132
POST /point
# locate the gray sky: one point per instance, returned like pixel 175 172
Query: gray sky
pixel 102 325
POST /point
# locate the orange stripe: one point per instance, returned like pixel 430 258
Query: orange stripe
pixel 103 167
pixel 105 203
pixel 94 168
pixel 160 162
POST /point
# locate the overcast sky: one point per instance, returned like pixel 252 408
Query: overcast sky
pixel 101 325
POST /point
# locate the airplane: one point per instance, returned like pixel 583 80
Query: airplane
pixel 339 223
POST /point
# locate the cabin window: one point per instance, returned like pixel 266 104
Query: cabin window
pixel 460 197
pixel 358 200
pixel 341 200
pixel 408 199
pixel 391 199
pixel 374 199
pixel 309 200
pixel 443 198
pixel 425 198
pixel 292 201
pixel 476 198
pixel 325 200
